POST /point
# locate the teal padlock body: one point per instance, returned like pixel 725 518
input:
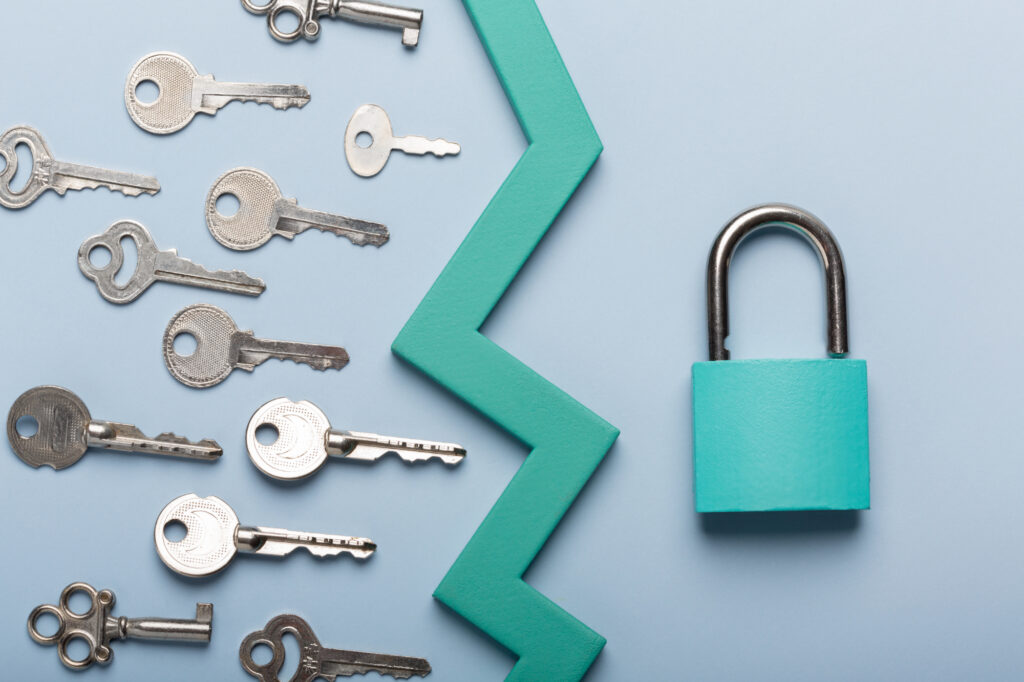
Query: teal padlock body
pixel 774 435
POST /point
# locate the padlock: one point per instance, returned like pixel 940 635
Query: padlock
pixel 773 435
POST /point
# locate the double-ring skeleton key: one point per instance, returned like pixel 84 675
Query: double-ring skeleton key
pixel 213 536
pixel 263 212
pixel 309 12
pixel 184 93
pixel 319 662
pixel 221 347
pixel 64 430
pixel 97 628
pixel 58 175
pixel 305 439
pixel 370 160
pixel 153 265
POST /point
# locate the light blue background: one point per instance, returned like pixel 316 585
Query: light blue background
pixel 897 123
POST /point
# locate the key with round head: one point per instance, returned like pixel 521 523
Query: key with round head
pixel 263 212
pixel 59 176
pixel 97 628
pixel 309 12
pixel 213 536
pixel 153 265
pixel 319 662
pixel 221 348
pixel 305 439
pixel 50 425
pixel 184 93
pixel 369 160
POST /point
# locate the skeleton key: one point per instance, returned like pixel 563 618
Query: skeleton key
pixel 221 347
pixel 317 661
pixel 369 160
pixel 309 12
pixel 97 628
pixel 305 439
pixel 213 537
pixel 64 430
pixel 58 175
pixel 262 213
pixel 184 93
pixel 153 265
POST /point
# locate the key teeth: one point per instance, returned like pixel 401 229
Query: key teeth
pixel 77 184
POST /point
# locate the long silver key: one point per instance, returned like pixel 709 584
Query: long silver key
pixel 51 425
pixel 319 662
pixel 58 175
pixel 369 160
pixel 305 439
pixel 309 13
pixel 153 265
pixel 184 93
pixel 221 348
pixel 213 536
pixel 263 212
pixel 97 628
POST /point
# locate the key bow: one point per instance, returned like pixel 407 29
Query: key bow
pixel 42 166
pixel 272 636
pixel 104 277
pixel 95 627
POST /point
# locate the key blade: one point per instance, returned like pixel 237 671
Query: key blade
pixel 293 219
pixel 72 176
pixel 128 438
pixel 343 663
pixel 209 95
pixel 280 542
pixel 253 351
pixel 372 446
pixel 421 145
pixel 170 267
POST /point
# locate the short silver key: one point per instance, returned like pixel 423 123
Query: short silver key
pixel 64 430
pixel 309 12
pixel 263 212
pixel 58 175
pixel 221 348
pixel 152 266
pixel 184 93
pixel 305 439
pixel 319 662
pixel 213 536
pixel 369 160
pixel 97 628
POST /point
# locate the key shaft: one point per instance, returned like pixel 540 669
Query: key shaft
pixel 170 267
pixel 280 542
pixel 378 14
pixel 170 629
pixel 414 144
pixel 209 95
pixel 252 351
pixel 372 446
pixel 128 438
pixel 294 219
pixel 345 663
pixel 73 176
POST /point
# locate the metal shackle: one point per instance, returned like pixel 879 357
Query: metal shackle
pixel 801 222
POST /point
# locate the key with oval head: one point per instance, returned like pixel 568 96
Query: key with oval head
pixel 213 536
pixel 97 628
pixel 184 93
pixel 221 348
pixel 58 175
pixel 263 212
pixel 153 265
pixel 309 12
pixel 319 662
pixel 305 439
pixel 64 430
pixel 369 160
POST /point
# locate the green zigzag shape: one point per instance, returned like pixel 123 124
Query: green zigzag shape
pixel 442 339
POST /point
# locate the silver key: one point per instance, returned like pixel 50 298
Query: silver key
pixel 309 13
pixel 213 536
pixel 184 93
pixel 369 160
pixel 263 212
pixel 319 662
pixel 58 175
pixel 221 348
pixel 64 430
pixel 97 628
pixel 153 265
pixel 305 439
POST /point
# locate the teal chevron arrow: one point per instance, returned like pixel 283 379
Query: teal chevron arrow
pixel 442 339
